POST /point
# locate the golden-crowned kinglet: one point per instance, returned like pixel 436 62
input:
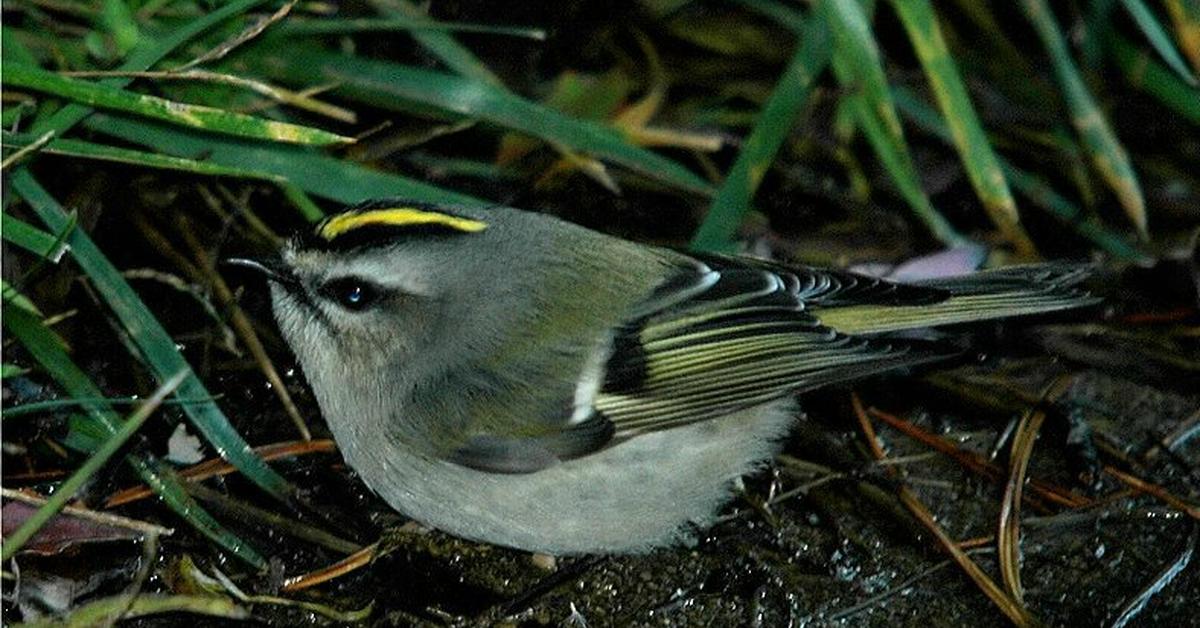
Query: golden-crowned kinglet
pixel 512 378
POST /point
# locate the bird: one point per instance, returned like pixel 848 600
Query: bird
pixel 512 378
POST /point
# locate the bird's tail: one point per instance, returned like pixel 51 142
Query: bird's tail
pixel 990 294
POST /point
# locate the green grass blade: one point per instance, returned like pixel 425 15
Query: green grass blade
pixel 780 112
pixel 31 238
pixel 67 490
pixel 14 52
pixel 12 298
pixel 312 172
pixel 978 158
pixel 334 26
pixel 301 201
pixel 1159 39
pixel 157 348
pixel 1185 17
pixel 144 56
pixel 1107 155
pixel 56 405
pixel 194 116
pixel 399 87
pixel 441 45
pixel 102 611
pixel 90 150
pixel 1095 21
pixel 782 14
pixel 47 349
pixel 116 31
pixel 1032 187
pixel 11 370
pixel 1147 75
pixel 859 68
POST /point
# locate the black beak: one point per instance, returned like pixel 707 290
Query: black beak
pixel 272 271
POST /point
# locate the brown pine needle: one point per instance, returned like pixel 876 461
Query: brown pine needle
pixel 976 463
pixel 1012 608
pixel 216 466
pixel 1008 532
pixel 355 561
pixel 1154 490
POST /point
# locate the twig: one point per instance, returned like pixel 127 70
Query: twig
pixel 95 516
pixel 244 328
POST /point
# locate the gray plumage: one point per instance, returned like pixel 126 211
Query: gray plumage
pixel 534 384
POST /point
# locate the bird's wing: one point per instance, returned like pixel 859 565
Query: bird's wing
pixel 726 334
pixel 720 334
pixel 716 335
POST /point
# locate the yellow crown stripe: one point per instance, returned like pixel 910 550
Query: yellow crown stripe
pixel 395 217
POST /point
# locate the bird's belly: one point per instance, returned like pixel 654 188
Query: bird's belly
pixel 649 491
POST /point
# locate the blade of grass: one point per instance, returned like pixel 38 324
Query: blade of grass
pixel 441 45
pixel 67 490
pixel 780 112
pixel 1147 75
pixel 1096 20
pixel 287 97
pixel 90 150
pixel 23 151
pixel 312 172
pixel 1107 155
pixel 47 349
pixel 116 20
pixel 301 201
pixel 157 347
pixel 859 68
pixel 979 160
pixel 58 405
pixel 585 96
pixel 1159 39
pixel 11 370
pixel 12 298
pixel 14 52
pixel 248 33
pixel 1185 16
pixel 102 611
pixel 1031 186
pixel 783 14
pixel 394 86
pixel 344 26
pixel 193 116
pixel 148 52
pixel 1045 196
pixel 31 238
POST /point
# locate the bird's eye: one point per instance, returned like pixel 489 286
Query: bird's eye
pixel 351 293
